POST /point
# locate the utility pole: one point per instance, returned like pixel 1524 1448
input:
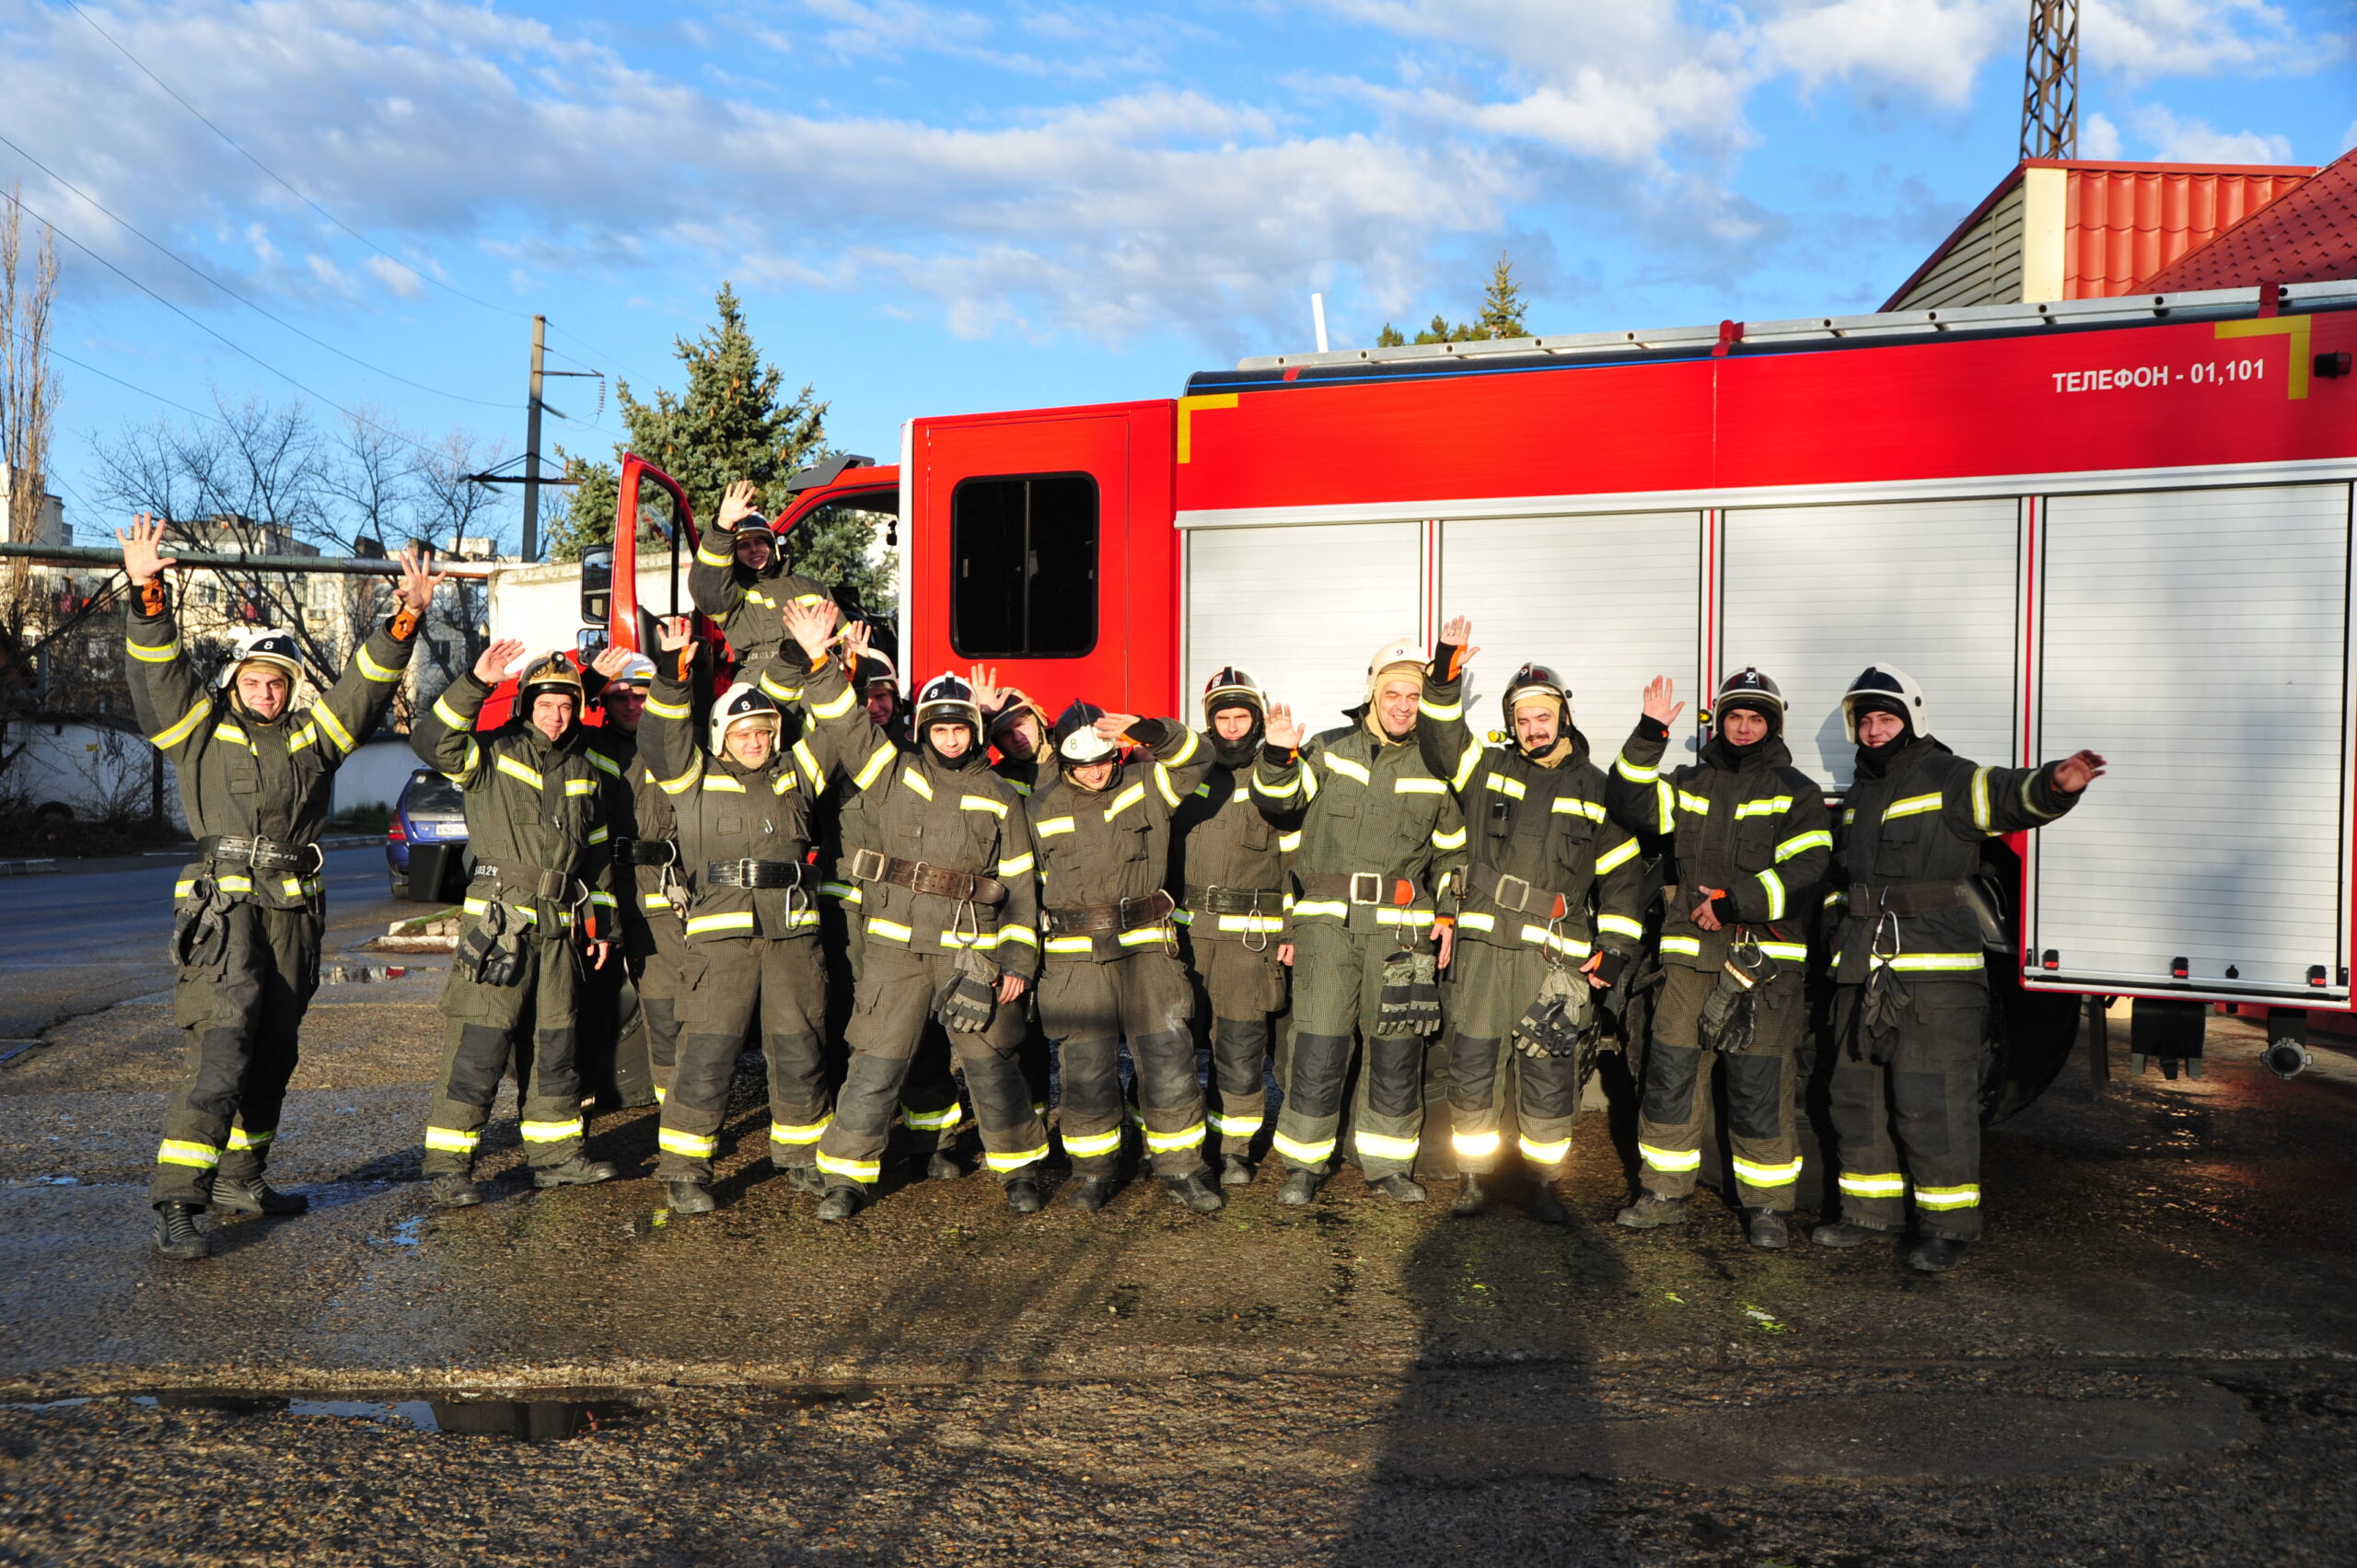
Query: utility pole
pixel 533 443
pixel 2050 81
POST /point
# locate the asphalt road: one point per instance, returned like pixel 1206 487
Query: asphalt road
pixel 72 942
pixel 2151 1359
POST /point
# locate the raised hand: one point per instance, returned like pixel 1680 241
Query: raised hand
pixel 736 505
pixel 674 634
pixel 1660 700
pixel 1281 730
pixel 611 661
pixel 1114 726
pixel 2077 770
pixel 417 583
pixel 492 667
pixel 987 694
pixel 857 637
pixel 1458 632
pixel 812 625
pixel 143 557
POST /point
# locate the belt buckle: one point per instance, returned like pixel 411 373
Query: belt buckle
pixel 749 873
pixel 867 864
pixel 1513 894
pixel 1372 881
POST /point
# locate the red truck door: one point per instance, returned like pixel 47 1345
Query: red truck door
pixel 1041 544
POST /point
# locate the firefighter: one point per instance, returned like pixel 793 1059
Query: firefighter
pixel 1380 834
pixel 947 900
pixel 743 807
pixel 740 581
pixel 1232 847
pixel 256 778
pixel 1018 729
pixel 541 906
pixel 629 1027
pixel 1747 835
pixel 1547 921
pixel 878 684
pixel 1111 969
pixel 1911 985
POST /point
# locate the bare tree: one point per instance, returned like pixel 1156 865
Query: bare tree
pixel 29 391
pixel 452 508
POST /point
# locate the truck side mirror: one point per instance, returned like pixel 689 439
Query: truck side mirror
pixel 596 585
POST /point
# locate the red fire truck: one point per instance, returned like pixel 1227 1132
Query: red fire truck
pixel 2122 524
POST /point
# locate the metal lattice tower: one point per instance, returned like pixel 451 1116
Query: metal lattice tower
pixel 2050 81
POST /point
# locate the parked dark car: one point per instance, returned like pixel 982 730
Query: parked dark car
pixel 427 842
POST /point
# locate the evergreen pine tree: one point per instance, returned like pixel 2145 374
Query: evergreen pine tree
pixel 1502 313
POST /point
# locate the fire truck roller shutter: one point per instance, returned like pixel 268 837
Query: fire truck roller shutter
pixel 1813 593
pixel 2198 639
pixel 1301 607
pixel 1611 601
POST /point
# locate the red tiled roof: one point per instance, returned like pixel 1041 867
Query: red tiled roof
pixel 2309 234
pixel 2122 223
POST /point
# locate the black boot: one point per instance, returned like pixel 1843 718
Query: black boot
pixel 578 1171
pixel 942 1166
pixel 689 1197
pixel 1090 1193
pixel 1470 1199
pixel 1844 1232
pixel 1191 1192
pixel 1399 1189
pixel 1300 1187
pixel 1234 1170
pixel 1936 1254
pixel 252 1195
pixel 1023 1194
pixel 1769 1229
pixel 841 1204
pixel 455 1191
pixel 1652 1210
pixel 177 1236
pixel 805 1178
pixel 1545 1206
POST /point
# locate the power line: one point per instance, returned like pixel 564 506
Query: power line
pixel 291 189
pixel 134 387
pixel 171 255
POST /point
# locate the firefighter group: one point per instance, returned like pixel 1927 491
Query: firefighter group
pixel 922 911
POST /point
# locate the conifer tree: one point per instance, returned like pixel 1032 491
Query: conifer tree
pixel 1501 316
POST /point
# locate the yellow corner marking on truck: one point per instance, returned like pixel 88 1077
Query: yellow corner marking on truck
pixel 1187 407
pixel 2292 327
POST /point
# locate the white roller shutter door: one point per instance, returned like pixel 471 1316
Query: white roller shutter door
pixel 1301 607
pixel 2199 640
pixel 1811 595
pixel 1609 601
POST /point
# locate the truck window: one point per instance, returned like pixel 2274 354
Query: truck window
pixel 1023 567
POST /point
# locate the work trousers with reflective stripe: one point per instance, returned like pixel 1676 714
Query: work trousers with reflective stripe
pixel 1338 981
pixel 242 1015
pixel 1490 988
pixel 887 1025
pixel 1906 1109
pixel 615 1058
pixel 533 1023
pixel 1676 1114
pixel 1244 998
pixel 776 990
pixel 1088 1009
pixel 660 988
pixel 930 1109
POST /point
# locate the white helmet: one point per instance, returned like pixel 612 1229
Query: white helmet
pixel 1886 688
pixel 743 703
pixel 1396 652
pixel 637 675
pixel 263 644
pixel 1076 737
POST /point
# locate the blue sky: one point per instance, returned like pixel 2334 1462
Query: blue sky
pixel 942 207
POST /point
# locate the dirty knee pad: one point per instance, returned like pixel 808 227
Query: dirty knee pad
pixel 1921 1125
pixel 702 1073
pixel 1670 1083
pixel 1755 1097
pixel 1315 1083
pixel 1089 1071
pixel 1473 1072
pixel 478 1065
pixel 870 1100
pixel 223 1058
pixel 1395 1075
pixel 1166 1077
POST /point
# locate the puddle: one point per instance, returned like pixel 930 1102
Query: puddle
pixel 532 1420
pixel 406 1234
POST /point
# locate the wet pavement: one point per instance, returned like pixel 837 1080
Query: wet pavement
pixel 2149 1360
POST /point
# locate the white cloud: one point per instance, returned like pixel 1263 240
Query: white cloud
pixel 2191 141
pixel 2099 139
pixel 2142 39
pixel 394 276
pixel 1931 47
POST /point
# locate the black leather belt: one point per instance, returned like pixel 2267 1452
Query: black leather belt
pixel 263 854
pixel 1357 887
pixel 1236 901
pixel 645 852
pixel 1907 897
pixel 754 874
pixel 966 886
pixel 1088 920
pixel 535 882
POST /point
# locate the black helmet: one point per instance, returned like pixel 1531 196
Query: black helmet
pixel 1535 679
pixel 1749 689
pixel 1075 738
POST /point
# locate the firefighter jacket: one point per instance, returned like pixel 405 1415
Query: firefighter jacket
pixel 1545 868
pixel 1233 842
pixel 1021 774
pixel 915 810
pixel 534 810
pixel 757 822
pixel 1751 826
pixel 1107 852
pixel 637 813
pixel 1908 842
pixel 1379 832
pixel 239 777
pixel 748 605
